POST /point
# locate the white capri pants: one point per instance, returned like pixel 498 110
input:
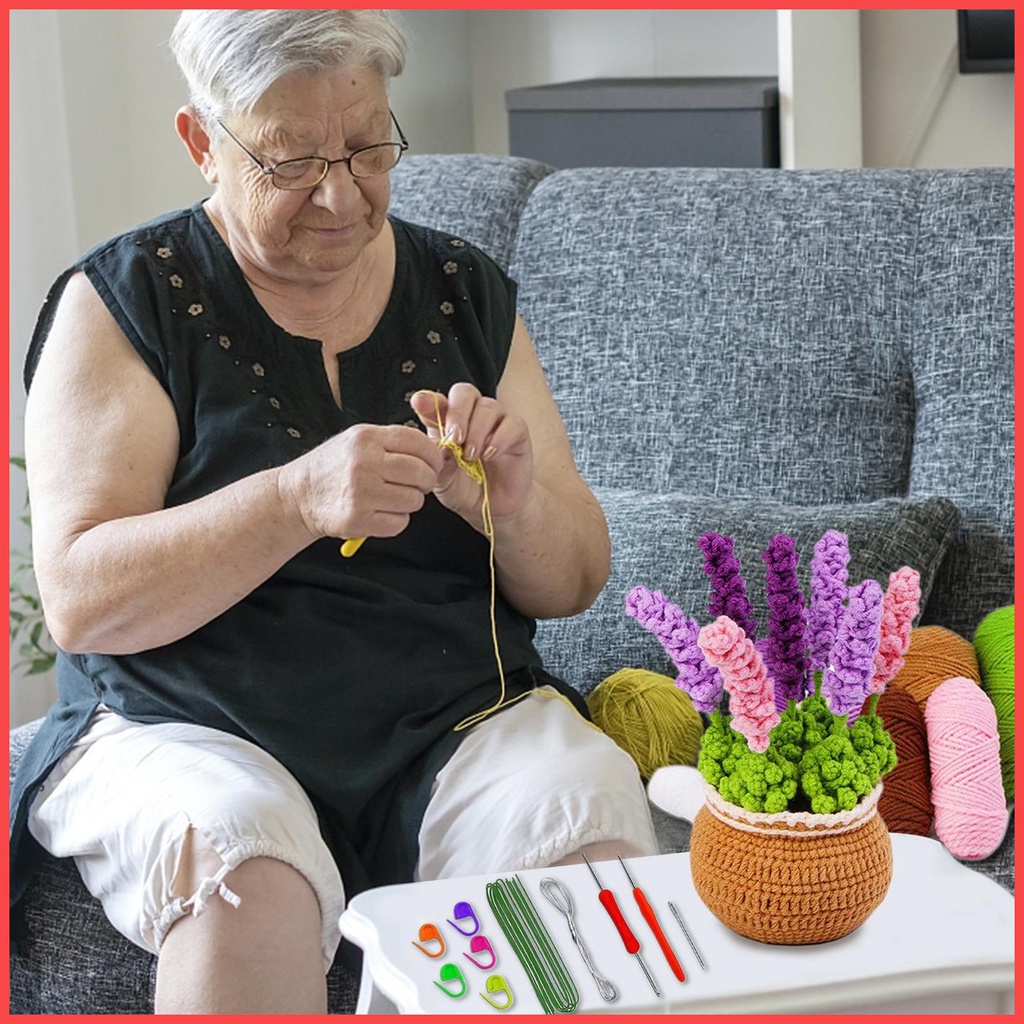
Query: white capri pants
pixel 524 789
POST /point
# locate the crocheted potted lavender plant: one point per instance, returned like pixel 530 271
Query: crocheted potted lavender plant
pixel 789 846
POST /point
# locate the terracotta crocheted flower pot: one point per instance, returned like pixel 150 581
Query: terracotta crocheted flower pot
pixel 794 877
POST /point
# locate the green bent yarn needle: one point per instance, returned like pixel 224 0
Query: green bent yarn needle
pixel 515 913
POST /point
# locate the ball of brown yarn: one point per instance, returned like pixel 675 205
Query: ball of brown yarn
pixel 906 801
pixel 935 654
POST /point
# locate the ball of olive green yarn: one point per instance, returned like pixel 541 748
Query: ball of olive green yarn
pixel 650 717
pixel 993 643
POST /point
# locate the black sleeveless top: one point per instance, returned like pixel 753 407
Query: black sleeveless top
pixel 351 672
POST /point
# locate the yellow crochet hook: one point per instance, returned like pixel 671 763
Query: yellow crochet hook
pixel 351 546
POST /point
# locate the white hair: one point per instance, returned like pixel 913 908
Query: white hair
pixel 231 57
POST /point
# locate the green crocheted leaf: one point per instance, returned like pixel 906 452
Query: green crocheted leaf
pixel 814 759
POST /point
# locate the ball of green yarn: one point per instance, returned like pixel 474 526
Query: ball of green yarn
pixel 650 717
pixel 993 643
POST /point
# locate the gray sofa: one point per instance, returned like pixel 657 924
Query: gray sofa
pixel 747 351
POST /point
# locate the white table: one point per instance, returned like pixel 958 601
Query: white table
pixel 941 942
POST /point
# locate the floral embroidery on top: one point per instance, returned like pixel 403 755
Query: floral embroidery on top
pixel 433 337
pixel 451 267
pixel 447 308
pixel 408 366
pixel 178 280
pixel 457 242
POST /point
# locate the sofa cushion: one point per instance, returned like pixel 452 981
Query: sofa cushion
pixel 801 336
pixel 728 332
pixel 477 198
pixel 962 358
pixel 654 544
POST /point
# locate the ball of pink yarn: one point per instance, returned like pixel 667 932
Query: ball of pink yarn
pixel 967 784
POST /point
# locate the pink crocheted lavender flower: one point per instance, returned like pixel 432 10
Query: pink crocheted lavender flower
pixel 899 606
pixel 728 588
pixel 828 591
pixel 751 693
pixel 845 682
pixel 678 635
pixel 785 652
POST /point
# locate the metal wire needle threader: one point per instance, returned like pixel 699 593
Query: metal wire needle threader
pixel 629 940
pixel 558 896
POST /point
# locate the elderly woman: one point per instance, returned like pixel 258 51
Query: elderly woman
pixel 251 727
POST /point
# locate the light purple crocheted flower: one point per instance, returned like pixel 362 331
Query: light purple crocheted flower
pixel 728 588
pixel 678 635
pixel 828 591
pixel 846 682
pixel 785 653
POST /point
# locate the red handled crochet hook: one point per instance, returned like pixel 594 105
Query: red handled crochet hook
pixel 652 919
pixel 629 940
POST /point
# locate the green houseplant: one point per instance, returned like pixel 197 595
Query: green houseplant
pixel 29 637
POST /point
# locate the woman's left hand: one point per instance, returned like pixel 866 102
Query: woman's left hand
pixel 485 431
pixel 551 547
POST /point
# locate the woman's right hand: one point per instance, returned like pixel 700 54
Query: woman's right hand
pixel 364 482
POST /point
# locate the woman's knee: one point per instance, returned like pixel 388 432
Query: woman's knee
pixel 257 897
pixel 249 897
pixel 266 950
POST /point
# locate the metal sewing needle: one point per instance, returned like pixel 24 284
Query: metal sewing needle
pixel 629 940
pixel 675 914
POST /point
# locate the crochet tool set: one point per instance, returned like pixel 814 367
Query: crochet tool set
pixel 471 960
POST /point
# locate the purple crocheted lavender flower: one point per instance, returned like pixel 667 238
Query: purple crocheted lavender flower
pixel 728 588
pixel 785 653
pixel 828 591
pixel 678 635
pixel 846 682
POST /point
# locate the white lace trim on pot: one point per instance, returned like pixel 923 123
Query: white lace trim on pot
pixel 795 824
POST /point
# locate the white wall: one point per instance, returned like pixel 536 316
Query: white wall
pixel 122 90
pixel 43 240
pixel 918 110
pixel 819 89
pixel 433 96
pixel 512 49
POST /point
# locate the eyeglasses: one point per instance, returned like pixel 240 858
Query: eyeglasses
pixel 309 171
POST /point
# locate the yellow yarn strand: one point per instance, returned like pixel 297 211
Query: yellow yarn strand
pixel 475 470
